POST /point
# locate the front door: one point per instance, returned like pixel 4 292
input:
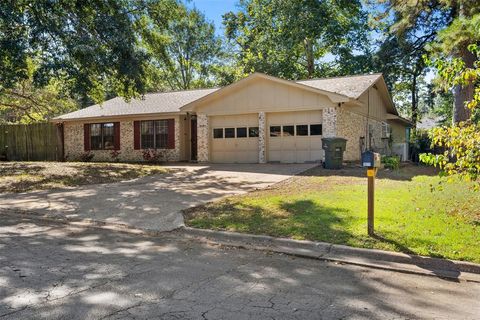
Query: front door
pixel 193 138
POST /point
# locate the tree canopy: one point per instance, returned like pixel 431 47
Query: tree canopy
pixel 75 53
pixel 89 44
pixel 289 38
pixel 184 50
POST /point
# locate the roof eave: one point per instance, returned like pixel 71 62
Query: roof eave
pixel 394 117
pixel 123 116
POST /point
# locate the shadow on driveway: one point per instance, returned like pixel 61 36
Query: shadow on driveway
pixel 152 202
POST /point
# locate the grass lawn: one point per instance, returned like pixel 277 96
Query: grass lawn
pixel 412 214
pixel 28 176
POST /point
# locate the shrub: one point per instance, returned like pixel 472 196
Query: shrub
pixel 115 154
pixel 152 155
pixel 86 156
pixel 391 162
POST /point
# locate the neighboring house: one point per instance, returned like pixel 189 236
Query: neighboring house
pixel 257 119
pixel 429 122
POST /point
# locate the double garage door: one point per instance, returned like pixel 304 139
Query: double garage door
pixel 291 137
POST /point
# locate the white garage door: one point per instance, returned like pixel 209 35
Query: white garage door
pixel 294 137
pixel 234 139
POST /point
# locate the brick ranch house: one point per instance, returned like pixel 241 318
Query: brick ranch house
pixel 258 119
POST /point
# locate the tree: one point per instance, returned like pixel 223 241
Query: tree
pixel 461 141
pixel 401 60
pixel 26 103
pixel 445 21
pixel 87 44
pixel 185 50
pixel 288 38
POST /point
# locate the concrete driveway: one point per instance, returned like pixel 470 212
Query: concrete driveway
pixel 154 202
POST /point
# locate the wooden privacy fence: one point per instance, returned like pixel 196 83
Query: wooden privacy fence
pixel 31 142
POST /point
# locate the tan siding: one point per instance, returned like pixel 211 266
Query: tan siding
pixel 377 109
pixel 267 96
pixel 398 132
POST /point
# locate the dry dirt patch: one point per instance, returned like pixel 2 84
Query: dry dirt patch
pixel 28 176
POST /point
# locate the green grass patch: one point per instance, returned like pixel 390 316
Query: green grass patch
pixel 412 214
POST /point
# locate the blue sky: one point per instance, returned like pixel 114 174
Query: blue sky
pixel 214 9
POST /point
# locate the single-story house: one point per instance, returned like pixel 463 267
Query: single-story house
pixel 258 119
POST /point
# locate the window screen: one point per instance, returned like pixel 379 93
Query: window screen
pixel 147 131
pixel 154 134
pixel 96 136
pixel 108 136
pixel 102 136
pixel 161 134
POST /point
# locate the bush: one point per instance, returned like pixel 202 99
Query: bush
pixel 115 154
pixel 419 143
pixel 86 156
pixel 152 155
pixel 391 162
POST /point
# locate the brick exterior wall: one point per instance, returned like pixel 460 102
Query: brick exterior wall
pixel 352 126
pixel 74 148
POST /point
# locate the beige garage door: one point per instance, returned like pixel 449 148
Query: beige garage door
pixel 294 137
pixel 234 139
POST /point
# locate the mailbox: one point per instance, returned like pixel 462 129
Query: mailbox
pixel 371 159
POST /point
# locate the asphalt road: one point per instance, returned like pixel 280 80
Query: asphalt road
pixel 54 271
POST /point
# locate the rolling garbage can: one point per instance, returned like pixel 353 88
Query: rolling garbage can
pixel 334 148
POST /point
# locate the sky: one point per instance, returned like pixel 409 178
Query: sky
pixel 214 9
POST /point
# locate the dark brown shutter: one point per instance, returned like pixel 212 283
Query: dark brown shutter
pixel 136 135
pixel 116 137
pixel 171 134
pixel 86 137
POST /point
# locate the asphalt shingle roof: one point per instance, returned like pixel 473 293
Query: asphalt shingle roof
pixel 171 102
pixel 351 86
pixel 161 102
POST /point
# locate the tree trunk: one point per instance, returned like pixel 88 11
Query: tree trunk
pixel 309 56
pixel 413 91
pixel 463 93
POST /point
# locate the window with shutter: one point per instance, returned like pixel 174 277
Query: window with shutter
pixel 156 134
pixel 102 136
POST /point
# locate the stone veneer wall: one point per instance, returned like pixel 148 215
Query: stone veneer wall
pixel 73 132
pixel 203 152
pixel 352 126
pixel 261 138
pixel 329 125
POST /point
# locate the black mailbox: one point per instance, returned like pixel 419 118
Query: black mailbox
pixel 371 159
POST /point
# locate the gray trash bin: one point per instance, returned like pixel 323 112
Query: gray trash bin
pixel 334 148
